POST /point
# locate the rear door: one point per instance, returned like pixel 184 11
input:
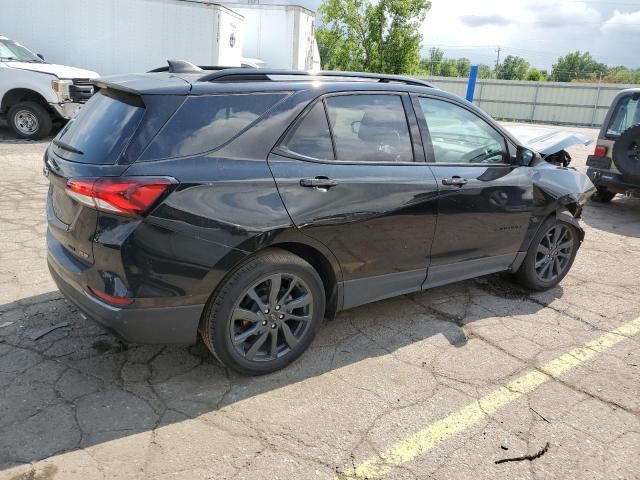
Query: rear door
pixel 484 201
pixel 358 184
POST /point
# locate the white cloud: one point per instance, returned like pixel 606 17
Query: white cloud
pixel 554 14
pixel 622 23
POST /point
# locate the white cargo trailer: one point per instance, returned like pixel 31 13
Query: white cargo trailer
pixel 283 36
pixel 122 36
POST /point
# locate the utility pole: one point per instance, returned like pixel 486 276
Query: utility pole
pixel 497 61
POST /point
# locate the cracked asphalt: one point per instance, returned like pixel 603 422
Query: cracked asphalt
pixel 77 403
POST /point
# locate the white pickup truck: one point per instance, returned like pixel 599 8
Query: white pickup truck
pixel 34 93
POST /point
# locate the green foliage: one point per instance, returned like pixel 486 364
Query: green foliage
pixel 535 75
pixel 485 71
pixel 463 65
pixel 577 66
pixel 513 68
pixel 622 74
pixel 371 36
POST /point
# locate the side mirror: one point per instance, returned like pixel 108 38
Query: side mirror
pixel 355 126
pixel 40 56
pixel 525 157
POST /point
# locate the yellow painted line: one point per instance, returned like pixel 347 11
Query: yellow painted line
pixel 431 436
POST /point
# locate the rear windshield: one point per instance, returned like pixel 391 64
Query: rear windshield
pixel 102 129
pixel 204 123
pixel 626 114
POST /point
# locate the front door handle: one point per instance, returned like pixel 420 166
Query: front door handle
pixel 457 181
pixel 318 182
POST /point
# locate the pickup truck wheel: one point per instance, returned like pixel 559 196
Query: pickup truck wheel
pixel 550 256
pixel 602 195
pixel 30 120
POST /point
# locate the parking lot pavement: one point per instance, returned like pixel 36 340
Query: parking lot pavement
pixel 440 384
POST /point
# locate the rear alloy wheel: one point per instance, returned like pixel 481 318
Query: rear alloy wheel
pixel 29 120
pixel 602 195
pixel 266 313
pixel 550 255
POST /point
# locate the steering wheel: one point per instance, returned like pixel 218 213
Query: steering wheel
pixel 480 155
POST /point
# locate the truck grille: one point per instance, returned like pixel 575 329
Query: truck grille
pixel 81 90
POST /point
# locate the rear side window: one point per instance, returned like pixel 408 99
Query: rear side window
pixel 312 138
pixel 204 123
pixel 370 128
pixel 102 128
pixel 627 114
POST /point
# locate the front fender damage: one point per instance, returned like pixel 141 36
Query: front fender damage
pixel 559 191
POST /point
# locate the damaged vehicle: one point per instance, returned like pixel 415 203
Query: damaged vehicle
pixel 550 143
pixel 614 166
pixel 248 205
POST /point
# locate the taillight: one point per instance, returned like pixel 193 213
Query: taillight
pixel 130 196
pixel 600 151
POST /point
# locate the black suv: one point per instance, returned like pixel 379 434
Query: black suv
pixel 249 205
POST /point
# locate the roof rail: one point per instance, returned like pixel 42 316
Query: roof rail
pixel 264 74
pixel 182 66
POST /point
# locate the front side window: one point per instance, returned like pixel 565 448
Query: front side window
pixel 459 136
pixel 369 128
pixel 206 122
pixel 627 114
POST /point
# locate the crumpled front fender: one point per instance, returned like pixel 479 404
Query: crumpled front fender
pixel 564 188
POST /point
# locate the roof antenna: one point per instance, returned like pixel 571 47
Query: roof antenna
pixel 182 66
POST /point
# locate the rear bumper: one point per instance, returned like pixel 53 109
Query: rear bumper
pixel 166 325
pixel 612 180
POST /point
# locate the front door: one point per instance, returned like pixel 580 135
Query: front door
pixel 484 201
pixel 359 185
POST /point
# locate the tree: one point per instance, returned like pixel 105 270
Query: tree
pixel 371 36
pixel 463 65
pixel 448 68
pixel 485 71
pixel 431 65
pixel 513 68
pixel 535 75
pixel 577 65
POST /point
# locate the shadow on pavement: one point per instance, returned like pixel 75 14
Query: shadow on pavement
pixel 621 216
pixel 79 386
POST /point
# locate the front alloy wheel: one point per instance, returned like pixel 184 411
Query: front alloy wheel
pixel 554 252
pixel 550 255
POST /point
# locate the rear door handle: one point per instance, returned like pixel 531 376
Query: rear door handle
pixel 457 181
pixel 318 182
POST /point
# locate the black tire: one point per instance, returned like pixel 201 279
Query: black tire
pixel 29 120
pixel 233 311
pixel 602 195
pixel 529 274
pixel 626 153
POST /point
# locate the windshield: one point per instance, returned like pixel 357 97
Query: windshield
pixel 12 51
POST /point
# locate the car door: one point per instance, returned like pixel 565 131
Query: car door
pixel 485 201
pixel 358 183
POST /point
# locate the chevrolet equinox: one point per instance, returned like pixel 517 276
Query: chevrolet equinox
pixel 247 205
